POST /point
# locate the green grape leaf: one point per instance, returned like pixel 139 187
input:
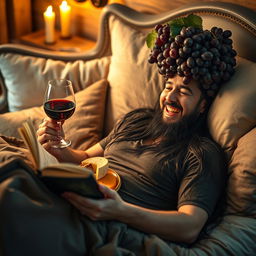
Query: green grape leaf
pixel 175 29
pixel 191 20
pixel 194 21
pixel 151 38
pixel 176 25
pixel 179 22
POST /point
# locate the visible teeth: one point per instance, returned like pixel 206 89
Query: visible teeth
pixel 172 109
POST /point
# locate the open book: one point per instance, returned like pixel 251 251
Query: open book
pixel 60 177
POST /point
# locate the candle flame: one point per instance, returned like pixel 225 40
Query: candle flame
pixel 64 5
pixel 49 10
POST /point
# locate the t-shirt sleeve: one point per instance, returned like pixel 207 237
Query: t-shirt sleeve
pixel 105 141
pixel 203 183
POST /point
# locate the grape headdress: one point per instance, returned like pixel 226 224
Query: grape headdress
pixel 181 47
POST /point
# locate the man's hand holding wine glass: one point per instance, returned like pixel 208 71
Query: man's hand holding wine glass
pixel 49 135
pixel 59 105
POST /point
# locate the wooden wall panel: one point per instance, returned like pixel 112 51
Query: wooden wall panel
pixel 3 23
pixel 19 18
pixel 86 17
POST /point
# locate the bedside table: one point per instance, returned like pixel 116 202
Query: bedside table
pixel 72 44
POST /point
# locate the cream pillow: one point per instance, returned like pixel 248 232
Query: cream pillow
pixel 84 128
pixel 26 77
pixel 133 81
pixel 241 196
pixel 233 112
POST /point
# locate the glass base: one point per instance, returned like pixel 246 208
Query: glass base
pixel 63 144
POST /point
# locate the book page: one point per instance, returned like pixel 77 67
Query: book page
pixel 41 157
pixel 66 170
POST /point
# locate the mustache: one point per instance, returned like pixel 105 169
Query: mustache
pixel 173 104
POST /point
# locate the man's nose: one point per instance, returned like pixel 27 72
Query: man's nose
pixel 171 96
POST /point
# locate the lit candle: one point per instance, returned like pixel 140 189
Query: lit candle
pixel 65 20
pixel 49 19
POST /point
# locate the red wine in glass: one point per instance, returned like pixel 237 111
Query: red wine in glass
pixel 59 104
pixel 59 109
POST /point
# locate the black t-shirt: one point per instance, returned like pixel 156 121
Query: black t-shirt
pixel 146 185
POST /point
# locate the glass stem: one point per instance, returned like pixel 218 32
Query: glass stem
pixel 59 129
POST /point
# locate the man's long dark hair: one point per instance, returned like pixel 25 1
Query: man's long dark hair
pixel 180 138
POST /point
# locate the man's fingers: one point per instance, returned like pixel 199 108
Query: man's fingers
pixel 107 192
pixel 49 122
pixel 46 129
pixel 47 137
pixel 48 145
pixel 81 200
pixel 93 213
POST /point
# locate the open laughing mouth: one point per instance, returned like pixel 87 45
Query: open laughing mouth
pixel 171 111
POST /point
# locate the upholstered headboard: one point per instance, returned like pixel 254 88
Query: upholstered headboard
pixel 240 20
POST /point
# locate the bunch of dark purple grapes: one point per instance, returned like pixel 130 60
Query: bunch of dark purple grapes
pixel 203 55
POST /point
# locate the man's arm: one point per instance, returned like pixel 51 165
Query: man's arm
pixel 48 136
pixel 182 225
pixel 77 156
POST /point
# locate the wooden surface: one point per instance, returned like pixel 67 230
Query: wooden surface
pixel 3 23
pixel 19 17
pixel 73 44
pixel 86 17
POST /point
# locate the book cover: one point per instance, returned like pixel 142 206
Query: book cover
pixel 87 187
pixel 58 177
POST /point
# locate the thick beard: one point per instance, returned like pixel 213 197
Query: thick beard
pixel 176 131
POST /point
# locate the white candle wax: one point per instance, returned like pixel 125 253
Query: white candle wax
pixel 65 19
pixel 49 19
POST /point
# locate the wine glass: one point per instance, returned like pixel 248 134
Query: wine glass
pixel 59 104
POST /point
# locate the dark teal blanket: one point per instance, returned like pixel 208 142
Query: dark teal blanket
pixel 36 222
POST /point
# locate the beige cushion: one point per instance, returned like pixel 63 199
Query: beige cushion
pixel 84 128
pixel 242 180
pixel 233 112
pixel 32 74
pixel 133 81
pixel 232 119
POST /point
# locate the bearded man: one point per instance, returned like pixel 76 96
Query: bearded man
pixel 172 174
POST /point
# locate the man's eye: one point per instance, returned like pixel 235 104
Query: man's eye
pixel 185 92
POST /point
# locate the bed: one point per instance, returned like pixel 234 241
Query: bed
pixel 101 77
